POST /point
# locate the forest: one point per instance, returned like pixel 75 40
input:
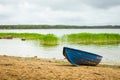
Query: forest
pixel 57 27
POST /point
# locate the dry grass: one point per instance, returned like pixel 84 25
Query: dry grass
pixel 16 68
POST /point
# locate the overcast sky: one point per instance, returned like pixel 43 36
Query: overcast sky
pixel 68 12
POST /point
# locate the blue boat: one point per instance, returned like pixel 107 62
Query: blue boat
pixel 79 57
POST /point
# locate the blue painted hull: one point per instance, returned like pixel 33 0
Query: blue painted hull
pixel 79 57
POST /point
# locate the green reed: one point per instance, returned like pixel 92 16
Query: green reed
pixel 32 36
pixel 90 38
pixel 80 38
pixel 49 39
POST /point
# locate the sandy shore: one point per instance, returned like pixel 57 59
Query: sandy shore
pixel 17 68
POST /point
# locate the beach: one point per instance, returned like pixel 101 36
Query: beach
pixel 33 68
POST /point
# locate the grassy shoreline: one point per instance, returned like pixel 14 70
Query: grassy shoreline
pixel 79 38
pixel 19 68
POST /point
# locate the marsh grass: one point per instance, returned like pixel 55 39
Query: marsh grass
pixel 31 36
pixel 49 39
pixel 90 38
pixel 80 38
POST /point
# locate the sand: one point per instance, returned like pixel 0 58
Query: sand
pixel 19 68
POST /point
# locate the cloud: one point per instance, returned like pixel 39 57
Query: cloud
pixel 69 12
pixel 102 3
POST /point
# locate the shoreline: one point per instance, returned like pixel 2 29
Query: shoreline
pixel 33 68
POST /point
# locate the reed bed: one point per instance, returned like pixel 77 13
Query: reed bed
pixel 31 36
pixel 90 38
pixel 48 39
pixel 80 38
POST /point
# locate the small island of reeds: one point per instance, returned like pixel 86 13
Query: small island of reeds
pixel 92 38
pixel 45 39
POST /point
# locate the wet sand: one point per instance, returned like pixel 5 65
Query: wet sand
pixel 19 68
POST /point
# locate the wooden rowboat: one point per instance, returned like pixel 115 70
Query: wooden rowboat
pixel 79 57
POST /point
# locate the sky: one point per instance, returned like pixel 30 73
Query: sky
pixel 60 12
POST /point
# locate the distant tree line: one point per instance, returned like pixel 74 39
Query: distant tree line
pixel 56 27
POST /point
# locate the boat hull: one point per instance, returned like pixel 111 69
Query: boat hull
pixel 79 57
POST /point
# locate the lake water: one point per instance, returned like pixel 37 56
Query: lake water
pixel 28 48
pixel 60 32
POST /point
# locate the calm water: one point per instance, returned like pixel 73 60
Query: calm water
pixel 60 32
pixel 28 48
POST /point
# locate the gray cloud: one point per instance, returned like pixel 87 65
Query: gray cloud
pixel 72 12
pixel 76 4
pixel 102 3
